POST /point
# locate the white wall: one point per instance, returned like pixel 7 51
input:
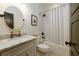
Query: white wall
pixel 27 10
pixel 31 9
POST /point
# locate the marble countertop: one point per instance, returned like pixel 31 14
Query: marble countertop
pixel 11 42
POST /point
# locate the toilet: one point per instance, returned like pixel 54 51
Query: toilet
pixel 42 47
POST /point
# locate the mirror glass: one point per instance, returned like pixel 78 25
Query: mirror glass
pixel 13 18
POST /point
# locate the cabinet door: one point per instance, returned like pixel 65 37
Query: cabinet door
pixel 31 51
pixel 74 42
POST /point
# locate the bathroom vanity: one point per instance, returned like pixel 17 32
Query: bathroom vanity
pixel 16 44
pixel 19 46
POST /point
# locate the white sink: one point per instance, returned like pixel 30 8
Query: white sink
pixel 43 47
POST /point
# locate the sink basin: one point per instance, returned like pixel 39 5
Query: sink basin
pixel 43 47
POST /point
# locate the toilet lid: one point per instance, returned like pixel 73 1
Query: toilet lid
pixel 44 46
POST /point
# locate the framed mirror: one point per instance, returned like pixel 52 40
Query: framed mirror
pixel 13 17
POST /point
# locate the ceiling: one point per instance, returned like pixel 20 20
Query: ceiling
pixel 40 6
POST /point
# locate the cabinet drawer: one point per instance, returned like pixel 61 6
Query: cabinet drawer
pixel 15 51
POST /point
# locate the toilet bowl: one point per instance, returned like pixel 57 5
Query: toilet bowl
pixel 43 47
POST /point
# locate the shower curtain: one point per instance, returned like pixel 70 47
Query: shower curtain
pixel 56 27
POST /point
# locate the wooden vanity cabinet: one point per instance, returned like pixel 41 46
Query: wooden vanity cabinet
pixel 24 49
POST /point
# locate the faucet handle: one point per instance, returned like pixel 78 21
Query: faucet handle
pixel 19 33
pixel 11 36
